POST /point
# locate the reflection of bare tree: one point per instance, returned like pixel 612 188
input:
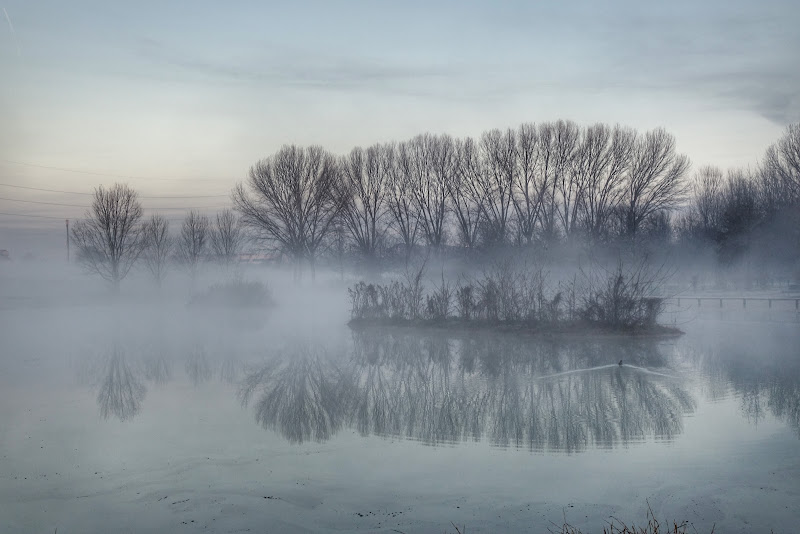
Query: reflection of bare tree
pixel 197 365
pixel 300 397
pixel 511 391
pixel 157 368
pixel 766 379
pixel 230 370
pixel 121 393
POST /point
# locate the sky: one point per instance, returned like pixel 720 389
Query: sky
pixel 179 99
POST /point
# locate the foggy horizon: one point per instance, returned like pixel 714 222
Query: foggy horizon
pixel 417 267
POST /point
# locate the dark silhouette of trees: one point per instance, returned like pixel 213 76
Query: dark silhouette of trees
pixel 604 157
pixel 227 237
pixel 157 247
pixel 782 168
pixel 193 241
pixel 401 204
pixel 739 214
pixel 494 184
pixel 428 190
pixel 366 176
pixel 655 179
pixel 538 185
pixel 570 181
pixel 557 146
pixel 292 201
pixel 109 239
pixel 701 222
pixel 466 207
pixel 526 195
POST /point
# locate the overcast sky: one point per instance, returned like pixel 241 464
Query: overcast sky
pixel 182 98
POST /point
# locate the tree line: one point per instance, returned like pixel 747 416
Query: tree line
pixel 531 186
pixel 114 236
pixel 535 183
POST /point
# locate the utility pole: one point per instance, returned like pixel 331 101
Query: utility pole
pixel 67 240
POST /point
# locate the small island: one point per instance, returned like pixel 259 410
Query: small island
pixel 515 299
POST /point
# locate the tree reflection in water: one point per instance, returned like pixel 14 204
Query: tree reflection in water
pixel 511 391
pixel 121 393
pixel 197 366
pixel 302 396
pixel 766 379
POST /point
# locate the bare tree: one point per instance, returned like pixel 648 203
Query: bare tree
pixel 707 203
pixel 429 193
pixel 292 202
pixel 526 193
pixel 158 247
pixel 570 184
pixel 465 206
pixel 738 214
pixel 494 184
pixel 655 179
pixel 606 156
pixel 399 201
pixel 556 146
pixel 227 236
pixel 781 168
pixel 193 241
pixel 365 181
pixel 109 239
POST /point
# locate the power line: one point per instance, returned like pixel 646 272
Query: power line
pixel 92 194
pixel 86 207
pixel 29 215
pixel 106 174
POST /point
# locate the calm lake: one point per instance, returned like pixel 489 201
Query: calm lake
pixel 168 420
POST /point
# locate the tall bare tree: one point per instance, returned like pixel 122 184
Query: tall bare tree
pixel 158 247
pixel 605 159
pixel 429 193
pixel 494 184
pixel 556 148
pixel 365 185
pixel 570 181
pixel 655 180
pixel 400 203
pixel 781 168
pixel 227 236
pixel 109 239
pixel 292 202
pixel 527 194
pixel 465 206
pixel 707 200
pixel 193 241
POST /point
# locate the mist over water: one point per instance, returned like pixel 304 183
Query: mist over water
pixel 160 409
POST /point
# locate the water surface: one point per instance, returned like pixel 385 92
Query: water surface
pixel 186 421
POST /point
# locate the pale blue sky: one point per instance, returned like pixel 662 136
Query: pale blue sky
pixel 184 96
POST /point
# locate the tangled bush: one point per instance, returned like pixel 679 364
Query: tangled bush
pixel 623 300
pixel 505 294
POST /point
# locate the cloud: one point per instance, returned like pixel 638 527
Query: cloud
pixel 285 67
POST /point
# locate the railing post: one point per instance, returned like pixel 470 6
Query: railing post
pixel 698 303
pixel 720 303
pixel 744 303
